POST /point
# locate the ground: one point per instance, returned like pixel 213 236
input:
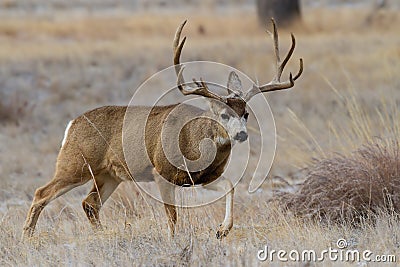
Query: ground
pixel 58 63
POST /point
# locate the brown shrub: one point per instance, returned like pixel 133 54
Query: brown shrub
pixel 349 188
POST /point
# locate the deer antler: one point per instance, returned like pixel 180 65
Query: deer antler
pixel 177 46
pixel 186 88
pixel 276 83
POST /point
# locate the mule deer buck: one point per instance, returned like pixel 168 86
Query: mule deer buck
pixel 93 148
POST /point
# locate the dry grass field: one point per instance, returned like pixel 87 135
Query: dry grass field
pixel 55 66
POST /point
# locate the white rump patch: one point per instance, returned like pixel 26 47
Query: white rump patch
pixel 66 133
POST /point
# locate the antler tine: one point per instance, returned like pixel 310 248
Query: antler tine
pixel 276 83
pixel 276 44
pixel 282 64
pixel 177 46
pixel 300 70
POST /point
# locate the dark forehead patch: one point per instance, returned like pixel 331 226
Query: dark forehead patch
pixel 237 104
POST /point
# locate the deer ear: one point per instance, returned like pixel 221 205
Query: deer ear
pixel 234 83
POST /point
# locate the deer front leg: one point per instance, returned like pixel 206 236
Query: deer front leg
pixel 227 224
pixel 168 196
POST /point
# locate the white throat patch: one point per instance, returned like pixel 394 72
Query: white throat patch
pixel 221 140
pixel 236 125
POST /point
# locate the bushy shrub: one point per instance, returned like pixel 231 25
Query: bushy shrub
pixel 350 188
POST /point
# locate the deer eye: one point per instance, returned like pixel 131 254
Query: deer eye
pixel 246 116
pixel 224 116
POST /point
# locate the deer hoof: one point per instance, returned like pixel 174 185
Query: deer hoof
pixel 222 232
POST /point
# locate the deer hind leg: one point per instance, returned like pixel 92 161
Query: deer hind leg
pixel 167 192
pixel 104 185
pixel 227 224
pixel 59 185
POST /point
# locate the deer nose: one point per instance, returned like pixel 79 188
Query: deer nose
pixel 241 136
